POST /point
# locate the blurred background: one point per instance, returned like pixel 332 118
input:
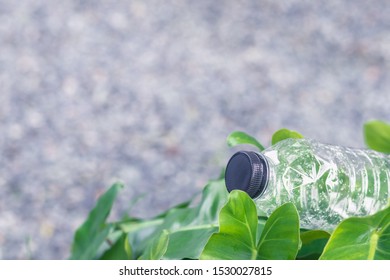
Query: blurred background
pixel 146 92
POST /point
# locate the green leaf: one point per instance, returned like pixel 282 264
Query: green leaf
pixel 377 136
pixel 189 228
pixel 280 237
pixel 194 240
pixel 120 250
pixel 93 232
pixel 283 134
pixel 142 230
pixel 313 243
pixel 236 239
pixel 360 238
pixel 240 138
pixel 157 248
pixel 133 225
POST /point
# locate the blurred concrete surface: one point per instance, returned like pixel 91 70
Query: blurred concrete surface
pixel 146 92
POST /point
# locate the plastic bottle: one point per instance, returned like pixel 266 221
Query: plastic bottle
pixel 326 183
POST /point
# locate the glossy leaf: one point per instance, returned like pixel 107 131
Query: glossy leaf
pixel 280 237
pixel 236 239
pixel 240 138
pixel 120 250
pixel 93 232
pixel 283 134
pixel 313 243
pixel 360 238
pixel 377 136
pixel 157 247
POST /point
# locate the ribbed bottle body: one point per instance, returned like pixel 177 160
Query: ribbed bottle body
pixel 326 183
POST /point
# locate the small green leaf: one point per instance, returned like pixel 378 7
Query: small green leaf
pixel 280 237
pixel 240 138
pixel 157 248
pixel 120 250
pixel 236 239
pixel 377 136
pixel 283 134
pixel 93 232
pixel 360 238
pixel 313 243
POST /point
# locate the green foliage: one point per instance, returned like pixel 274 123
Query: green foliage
pixel 189 228
pixel 94 231
pixel 242 138
pixel 377 136
pixel 313 243
pixel 157 247
pixel 283 134
pixel 237 227
pixel 120 250
pixel 219 225
pixel 361 238
pixel 280 237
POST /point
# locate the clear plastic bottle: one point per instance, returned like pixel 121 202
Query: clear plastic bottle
pixel 326 183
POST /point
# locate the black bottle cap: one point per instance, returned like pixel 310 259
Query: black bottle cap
pixel 247 171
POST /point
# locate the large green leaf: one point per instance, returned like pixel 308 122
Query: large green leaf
pixel 188 227
pixel 377 136
pixel 283 134
pixel 360 238
pixel 93 232
pixel 236 239
pixel 280 237
pixel 240 138
pixel 313 243
pixel 157 247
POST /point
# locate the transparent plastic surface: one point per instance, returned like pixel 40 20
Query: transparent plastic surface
pixel 326 183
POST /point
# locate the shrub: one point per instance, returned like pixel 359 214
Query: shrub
pixel 221 225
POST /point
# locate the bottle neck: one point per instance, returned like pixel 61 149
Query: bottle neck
pixel 269 180
pixel 264 176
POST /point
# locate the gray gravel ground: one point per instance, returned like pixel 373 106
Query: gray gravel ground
pixel 147 91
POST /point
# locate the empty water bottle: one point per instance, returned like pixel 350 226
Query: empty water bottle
pixel 326 183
